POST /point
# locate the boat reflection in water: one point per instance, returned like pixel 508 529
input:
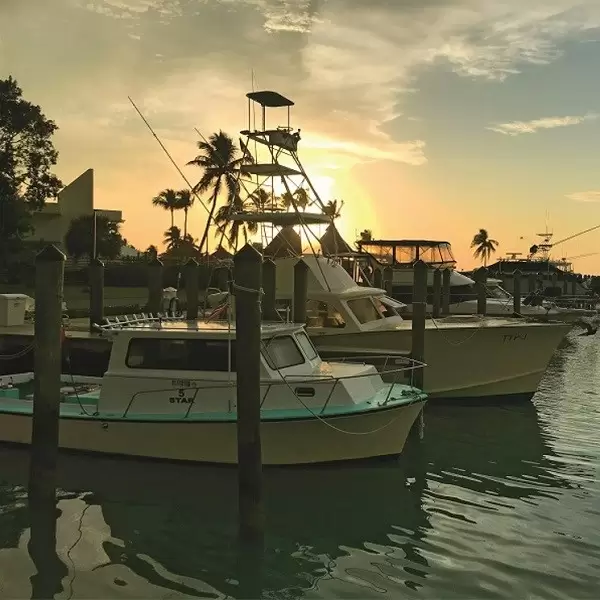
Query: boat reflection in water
pixel 384 525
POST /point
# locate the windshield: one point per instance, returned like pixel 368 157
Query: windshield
pixel 499 293
pixel 364 309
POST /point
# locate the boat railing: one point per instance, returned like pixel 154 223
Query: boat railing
pixel 288 381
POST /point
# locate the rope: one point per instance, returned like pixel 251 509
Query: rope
pixel 241 288
pixel 324 421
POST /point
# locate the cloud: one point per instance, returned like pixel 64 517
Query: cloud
pixel 520 127
pixel 589 196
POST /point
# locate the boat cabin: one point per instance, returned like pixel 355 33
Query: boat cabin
pixel 179 370
pixel 404 253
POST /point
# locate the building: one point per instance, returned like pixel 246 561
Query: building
pixel 75 200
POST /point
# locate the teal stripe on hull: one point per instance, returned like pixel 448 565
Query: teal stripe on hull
pixel 400 395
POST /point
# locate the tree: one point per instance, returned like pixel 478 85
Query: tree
pixel 223 220
pixel 79 240
pixel 299 198
pixel 27 156
pixel 173 237
pixel 484 246
pixel 151 251
pixel 168 200
pixel 333 209
pixel 220 160
pixel 185 201
pixel 366 235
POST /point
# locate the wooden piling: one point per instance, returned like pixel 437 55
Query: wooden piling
pixel 437 293
pixel 377 278
pixel 554 279
pixel 222 278
pixel 49 276
pixel 480 287
pixel 269 285
pixel 419 313
pixel 191 289
pixel 566 285
pixel 574 287
pixel 96 274
pixel 517 293
pixel 300 292
pixel 388 278
pixel 446 274
pixel 155 285
pixel 532 283
pixel 246 287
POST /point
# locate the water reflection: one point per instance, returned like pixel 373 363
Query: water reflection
pixel 379 526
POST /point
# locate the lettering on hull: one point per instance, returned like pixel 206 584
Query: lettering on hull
pixel 509 337
pixel 181 398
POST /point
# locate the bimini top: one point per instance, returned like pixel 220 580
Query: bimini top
pixel 407 252
pixel 269 99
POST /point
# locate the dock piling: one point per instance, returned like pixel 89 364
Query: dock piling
pixel 480 277
pixel 446 274
pixel 49 276
pixel 155 285
pixel 300 292
pixel 437 294
pixel 96 274
pixel 517 293
pixel 388 278
pixel 269 284
pixel 532 283
pixel 419 308
pixel 191 289
pixel 246 288
pixel 377 278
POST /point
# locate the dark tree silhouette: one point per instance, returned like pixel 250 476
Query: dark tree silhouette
pixel 27 156
pixel 79 240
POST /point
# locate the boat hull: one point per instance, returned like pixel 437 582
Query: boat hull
pixel 286 442
pixel 492 361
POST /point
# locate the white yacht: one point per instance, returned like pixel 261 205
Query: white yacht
pixel 170 393
pixel 467 357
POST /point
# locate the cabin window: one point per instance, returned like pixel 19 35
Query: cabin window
pixel 364 310
pixel 307 346
pixel 323 314
pixel 172 354
pixel 387 310
pixel 282 352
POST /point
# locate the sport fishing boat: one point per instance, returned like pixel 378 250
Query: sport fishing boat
pixel 170 393
pixel 467 357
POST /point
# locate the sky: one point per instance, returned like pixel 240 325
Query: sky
pixel 429 118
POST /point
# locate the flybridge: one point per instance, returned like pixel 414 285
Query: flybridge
pixel 406 252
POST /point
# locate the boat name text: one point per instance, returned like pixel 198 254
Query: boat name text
pixel 509 337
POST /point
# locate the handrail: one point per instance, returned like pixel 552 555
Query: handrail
pixel 286 380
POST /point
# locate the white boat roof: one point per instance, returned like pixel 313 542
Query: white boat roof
pixel 325 277
pixel 202 329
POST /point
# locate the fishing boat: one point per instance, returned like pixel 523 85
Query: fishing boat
pixel 468 357
pixel 170 393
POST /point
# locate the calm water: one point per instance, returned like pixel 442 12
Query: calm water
pixel 495 502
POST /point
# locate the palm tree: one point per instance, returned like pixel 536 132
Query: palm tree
pixel 220 160
pixel 223 219
pixel 332 209
pixel 167 199
pixel 299 198
pixel 185 201
pixel 173 237
pixel 484 246
pixel 262 200
pixel 366 235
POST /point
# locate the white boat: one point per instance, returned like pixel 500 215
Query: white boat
pixel 400 256
pixel 170 393
pixel 467 357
